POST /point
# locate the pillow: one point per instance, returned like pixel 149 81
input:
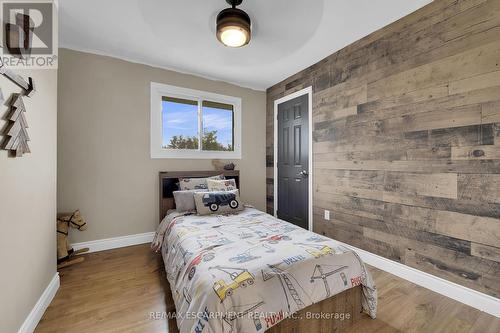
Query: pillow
pixel 196 183
pixel 221 185
pixel 184 200
pixel 218 202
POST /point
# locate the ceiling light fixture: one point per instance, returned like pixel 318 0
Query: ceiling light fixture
pixel 233 25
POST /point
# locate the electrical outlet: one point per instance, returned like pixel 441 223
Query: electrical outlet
pixel 327 214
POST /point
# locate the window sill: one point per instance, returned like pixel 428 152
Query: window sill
pixel 198 155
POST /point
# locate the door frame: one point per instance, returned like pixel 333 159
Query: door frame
pixel 305 91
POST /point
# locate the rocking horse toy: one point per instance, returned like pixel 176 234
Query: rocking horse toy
pixel 66 255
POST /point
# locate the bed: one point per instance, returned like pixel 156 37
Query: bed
pixel 251 272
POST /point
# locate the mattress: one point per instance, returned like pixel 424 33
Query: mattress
pixel 248 271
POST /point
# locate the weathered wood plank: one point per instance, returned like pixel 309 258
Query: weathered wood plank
pixel 390 155
pixel 373 209
pixel 419 96
pixel 461 136
pixel 437 166
pixel 463 116
pixel 471 207
pixel 478 229
pixel 325 114
pixel 449 270
pixel 481 81
pixel 496 134
pixel 485 251
pixel 442 185
pixel 491 112
pixel 350 191
pixel 377 110
pixel 351 97
pixel 479 187
pixel 445 137
pixel 475 153
pixel 425 154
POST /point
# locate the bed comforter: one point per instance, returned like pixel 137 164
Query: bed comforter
pixel 247 272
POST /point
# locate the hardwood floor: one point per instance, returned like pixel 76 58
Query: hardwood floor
pixel 116 291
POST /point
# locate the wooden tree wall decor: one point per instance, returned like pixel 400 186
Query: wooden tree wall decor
pixel 16 132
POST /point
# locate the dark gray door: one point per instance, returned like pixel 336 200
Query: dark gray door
pixel 293 161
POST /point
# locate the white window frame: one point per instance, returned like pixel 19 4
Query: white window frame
pixel 159 90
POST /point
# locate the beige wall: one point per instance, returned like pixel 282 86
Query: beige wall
pixel 28 204
pixel 104 164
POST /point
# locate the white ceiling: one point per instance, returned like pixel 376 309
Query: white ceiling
pixel 287 36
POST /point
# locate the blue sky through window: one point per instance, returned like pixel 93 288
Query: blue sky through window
pixel 179 119
pixel 219 120
pixel 182 119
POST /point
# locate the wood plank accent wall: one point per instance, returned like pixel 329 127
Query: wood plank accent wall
pixel 406 144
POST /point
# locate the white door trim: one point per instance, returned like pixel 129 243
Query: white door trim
pixel 304 91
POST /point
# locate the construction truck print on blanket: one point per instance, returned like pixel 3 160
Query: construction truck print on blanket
pixel 247 272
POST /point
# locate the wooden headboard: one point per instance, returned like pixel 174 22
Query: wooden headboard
pixel 169 183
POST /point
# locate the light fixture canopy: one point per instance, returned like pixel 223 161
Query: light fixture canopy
pixel 233 26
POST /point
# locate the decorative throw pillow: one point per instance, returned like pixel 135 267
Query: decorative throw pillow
pixel 184 200
pixel 218 202
pixel 221 185
pixel 196 183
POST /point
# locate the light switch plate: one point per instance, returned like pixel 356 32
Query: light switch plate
pixel 327 214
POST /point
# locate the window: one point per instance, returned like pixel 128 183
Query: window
pixel 188 123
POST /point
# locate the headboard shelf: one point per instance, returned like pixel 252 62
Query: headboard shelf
pixel 168 181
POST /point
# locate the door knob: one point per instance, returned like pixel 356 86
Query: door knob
pixel 303 173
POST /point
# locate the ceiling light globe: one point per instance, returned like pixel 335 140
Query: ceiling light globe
pixel 233 37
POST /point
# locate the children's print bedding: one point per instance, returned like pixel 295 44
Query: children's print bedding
pixel 248 271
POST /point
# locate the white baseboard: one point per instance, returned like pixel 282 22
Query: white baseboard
pixel 441 286
pixel 41 305
pixel 115 242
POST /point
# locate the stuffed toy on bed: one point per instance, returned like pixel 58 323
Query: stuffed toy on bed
pixel 65 253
